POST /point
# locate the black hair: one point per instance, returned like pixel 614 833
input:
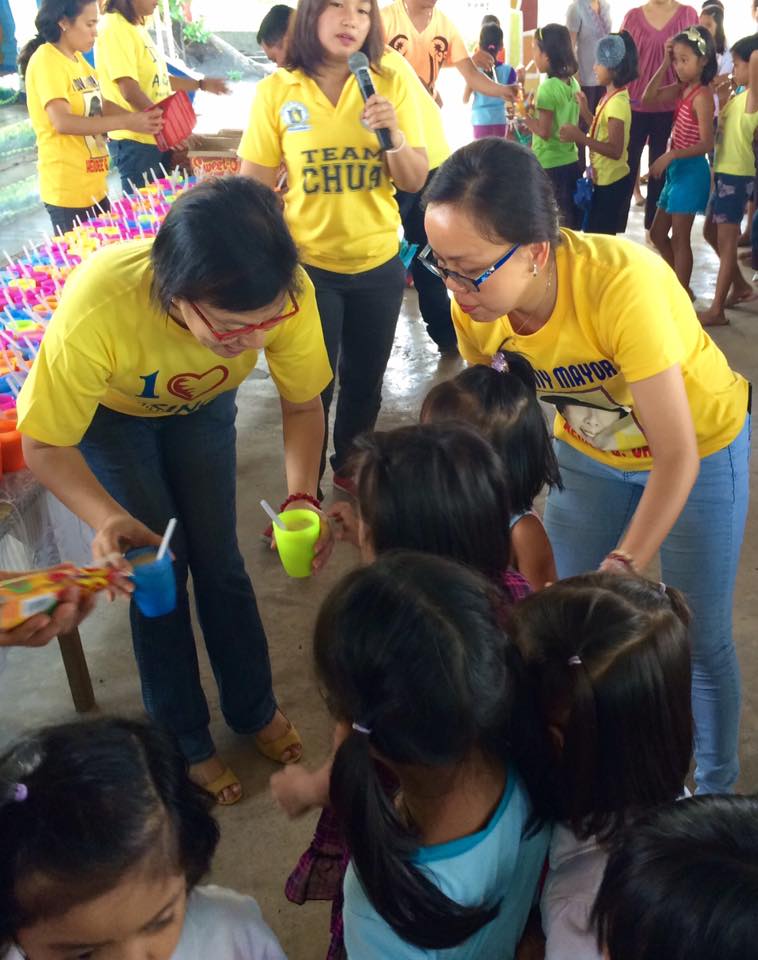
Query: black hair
pixel 124 7
pixel 502 188
pixel 224 242
pixel 554 40
pixel 609 662
pixel 744 47
pixel 628 69
pixel 306 52
pixel 710 67
pixel 490 18
pixel 274 25
pixel 47 22
pixel 491 38
pixel 682 883
pixel 412 649
pixel 504 407
pixel 101 798
pixel 436 488
pixel 716 12
pixel 712 3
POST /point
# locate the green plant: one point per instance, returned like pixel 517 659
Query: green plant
pixel 195 32
pixel 234 76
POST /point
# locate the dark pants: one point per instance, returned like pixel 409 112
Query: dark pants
pixel 655 130
pixel 433 301
pixel 137 161
pixel 564 184
pixel 359 314
pixel 610 205
pixel 594 95
pixel 185 467
pixel 64 218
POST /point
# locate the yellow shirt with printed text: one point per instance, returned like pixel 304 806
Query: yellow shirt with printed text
pixel 435 139
pixel 110 343
pixel 73 169
pixel 340 202
pixel 124 49
pixel 621 316
pixel 438 45
pixel 617 107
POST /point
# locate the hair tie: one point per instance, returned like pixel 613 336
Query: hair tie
pixel 499 363
pixel 575 661
pixel 359 728
pixel 20 793
pixel 662 587
pixel 610 51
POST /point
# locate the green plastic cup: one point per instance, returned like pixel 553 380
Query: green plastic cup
pixel 296 544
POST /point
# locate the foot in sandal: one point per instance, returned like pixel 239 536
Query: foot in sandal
pixel 713 318
pixel 217 779
pixel 279 740
pixel 746 294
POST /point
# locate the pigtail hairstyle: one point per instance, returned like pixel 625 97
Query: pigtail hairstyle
pixel 47 22
pixel 411 652
pixel 609 663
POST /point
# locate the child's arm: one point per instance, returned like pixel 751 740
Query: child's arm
pixel 541 124
pixel 752 89
pixel 532 552
pixel 298 790
pixel 703 107
pixel 613 147
pixel 584 108
pixel 467 91
pixel 654 92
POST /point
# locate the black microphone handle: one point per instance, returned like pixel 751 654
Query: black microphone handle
pixel 366 86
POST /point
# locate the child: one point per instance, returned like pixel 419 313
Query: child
pixel 608 136
pixel 712 18
pixel 556 106
pixel 272 33
pixel 501 402
pixel 488 113
pixel 609 661
pixel 688 176
pixel 682 883
pixel 416 669
pixel 103 841
pixel 734 174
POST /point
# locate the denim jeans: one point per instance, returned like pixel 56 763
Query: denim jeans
pixel 135 161
pixel 185 467
pixel 65 217
pixel 699 557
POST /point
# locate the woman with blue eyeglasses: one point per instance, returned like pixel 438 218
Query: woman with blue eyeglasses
pixel 652 426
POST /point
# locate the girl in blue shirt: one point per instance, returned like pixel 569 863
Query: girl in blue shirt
pixel 488 113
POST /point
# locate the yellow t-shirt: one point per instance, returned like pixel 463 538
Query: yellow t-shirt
pixel 618 107
pixel 72 169
pixel 435 140
pixel 438 45
pixel 621 316
pixel 110 343
pixel 340 202
pixel 124 49
pixel 734 138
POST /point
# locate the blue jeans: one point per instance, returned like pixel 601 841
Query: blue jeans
pixel 135 161
pixel 699 557
pixel 185 466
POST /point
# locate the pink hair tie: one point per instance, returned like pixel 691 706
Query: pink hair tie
pixel 499 363
pixel 574 661
pixel 20 792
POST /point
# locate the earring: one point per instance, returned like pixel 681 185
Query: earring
pixel 535 270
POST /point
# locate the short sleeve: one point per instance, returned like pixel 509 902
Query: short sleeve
pixel 261 143
pixel 47 83
pixel 617 109
pixel 628 22
pixel 574 18
pixel 117 51
pixel 456 49
pixel 545 99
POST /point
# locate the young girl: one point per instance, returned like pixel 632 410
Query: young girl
pixel 501 402
pixel 734 176
pixel 423 682
pixel 712 18
pixel 66 109
pixel 556 105
pixel 609 661
pixel 488 113
pixel 688 176
pixel 103 842
pixel 608 136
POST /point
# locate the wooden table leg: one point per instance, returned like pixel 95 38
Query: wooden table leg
pixel 79 680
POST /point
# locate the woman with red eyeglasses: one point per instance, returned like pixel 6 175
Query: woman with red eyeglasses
pixel 128 418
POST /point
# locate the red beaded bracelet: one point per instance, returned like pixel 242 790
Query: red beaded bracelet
pixel 622 557
pixel 294 497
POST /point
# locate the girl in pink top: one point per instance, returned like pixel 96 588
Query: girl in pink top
pixel 651 26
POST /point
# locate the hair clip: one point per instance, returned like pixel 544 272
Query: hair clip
pixel 662 587
pixel 575 661
pixel 696 37
pixel 359 728
pixel 20 793
pixel 610 51
pixel 499 363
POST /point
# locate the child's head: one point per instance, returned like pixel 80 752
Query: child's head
pixel 694 56
pixel 616 60
pixel 102 835
pixel 272 33
pixel 412 659
pixel 503 406
pixel 609 662
pixel 712 18
pixel 436 488
pixel 490 18
pixel 682 883
pixel 491 38
pixel 554 54
pixel 741 53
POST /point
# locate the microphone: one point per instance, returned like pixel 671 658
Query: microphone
pixel 359 66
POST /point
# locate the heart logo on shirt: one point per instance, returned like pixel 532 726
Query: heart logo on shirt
pixel 190 386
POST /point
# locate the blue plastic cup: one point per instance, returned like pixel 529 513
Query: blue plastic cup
pixel 154 581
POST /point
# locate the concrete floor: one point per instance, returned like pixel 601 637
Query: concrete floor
pixel 259 846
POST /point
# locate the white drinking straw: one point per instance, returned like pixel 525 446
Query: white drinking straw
pixel 166 539
pixel 270 511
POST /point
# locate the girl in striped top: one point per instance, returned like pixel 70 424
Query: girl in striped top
pixel 688 179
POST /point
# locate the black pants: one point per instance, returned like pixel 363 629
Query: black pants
pixel 594 95
pixel 655 130
pixel 610 206
pixel 564 184
pixel 359 314
pixel 433 301
pixel 65 217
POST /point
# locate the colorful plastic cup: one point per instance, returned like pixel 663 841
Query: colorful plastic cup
pixel 296 544
pixel 154 581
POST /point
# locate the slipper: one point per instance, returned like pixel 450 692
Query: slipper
pixel 750 297
pixel 227 779
pixel 275 749
pixel 708 321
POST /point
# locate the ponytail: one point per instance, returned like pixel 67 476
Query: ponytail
pixel 47 22
pixel 26 53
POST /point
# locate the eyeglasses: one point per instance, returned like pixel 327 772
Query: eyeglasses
pixel 250 328
pixel 429 259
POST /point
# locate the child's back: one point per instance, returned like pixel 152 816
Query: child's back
pixel 489 111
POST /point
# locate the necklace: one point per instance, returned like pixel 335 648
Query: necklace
pixel 548 287
pixel 428 14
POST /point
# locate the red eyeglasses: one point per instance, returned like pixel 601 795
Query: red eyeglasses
pixel 250 328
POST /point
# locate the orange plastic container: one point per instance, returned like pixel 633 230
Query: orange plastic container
pixel 11 454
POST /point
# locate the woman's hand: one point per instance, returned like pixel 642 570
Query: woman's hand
pixel 379 113
pixel 347 522
pixel 570 133
pixel 658 167
pixel 215 85
pixel 145 121
pixel 40 629
pixel 325 543
pixel 483 60
pixel 121 532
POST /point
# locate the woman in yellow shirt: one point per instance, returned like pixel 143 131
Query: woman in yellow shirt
pixel 652 429
pixel 68 112
pixel 340 202
pixel 128 417
pixel 134 75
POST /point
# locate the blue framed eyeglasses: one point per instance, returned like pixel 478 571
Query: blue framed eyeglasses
pixel 429 259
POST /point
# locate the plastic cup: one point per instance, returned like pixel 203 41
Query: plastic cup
pixel 154 581
pixel 296 543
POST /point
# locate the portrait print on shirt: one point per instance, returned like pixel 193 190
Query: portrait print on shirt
pixel 596 418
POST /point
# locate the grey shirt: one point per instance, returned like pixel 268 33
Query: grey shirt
pixel 589 27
